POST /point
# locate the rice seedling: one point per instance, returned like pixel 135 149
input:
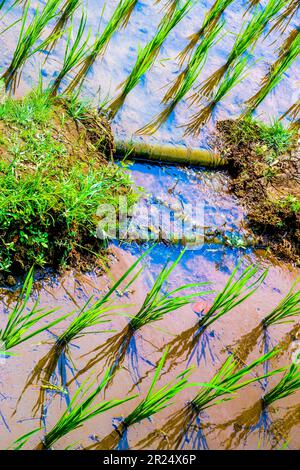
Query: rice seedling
pixel 147 55
pixel 232 78
pixel 286 310
pixel 156 305
pixel 118 19
pixel 67 12
pixel 80 410
pixel 75 53
pixel 287 386
pixel 155 401
pixel 246 38
pixel 234 293
pixel 237 290
pixel 287 55
pixel 285 18
pixel 20 321
pixel 228 380
pixel 185 80
pixel 221 388
pixel 90 315
pixel 210 22
pixel 28 37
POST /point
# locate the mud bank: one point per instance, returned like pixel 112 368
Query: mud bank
pixel 56 168
pixel 264 163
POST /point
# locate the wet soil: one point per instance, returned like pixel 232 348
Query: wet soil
pixel 267 185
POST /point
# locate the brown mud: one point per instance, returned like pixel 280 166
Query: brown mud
pixel 234 424
pixel 267 185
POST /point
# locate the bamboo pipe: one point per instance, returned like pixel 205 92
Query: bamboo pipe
pixel 169 154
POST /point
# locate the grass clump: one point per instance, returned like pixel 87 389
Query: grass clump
pixel 54 175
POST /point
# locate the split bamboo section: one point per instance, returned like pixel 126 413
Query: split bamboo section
pixel 169 154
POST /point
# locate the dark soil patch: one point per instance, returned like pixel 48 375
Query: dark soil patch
pixel 265 169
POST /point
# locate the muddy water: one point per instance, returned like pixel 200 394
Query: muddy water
pixel 229 425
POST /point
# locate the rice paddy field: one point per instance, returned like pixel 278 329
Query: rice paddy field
pixel 167 345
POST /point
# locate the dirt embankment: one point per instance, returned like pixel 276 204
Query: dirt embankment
pixel 265 167
pixel 56 168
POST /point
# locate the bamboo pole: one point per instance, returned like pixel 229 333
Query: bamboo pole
pixel 169 154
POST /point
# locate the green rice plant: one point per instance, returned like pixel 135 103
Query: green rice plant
pixel 92 315
pixel 228 380
pixel 246 38
pixel 286 310
pixel 118 19
pixel 210 22
pixel 67 12
pixel 28 37
pixel 185 80
pixel 158 303
pixel 158 399
pixel 233 77
pixel 75 53
pixel 148 54
pixel 237 290
pixel 80 410
pixel 223 387
pixel 287 55
pixel 20 321
pixel 285 18
pixel 288 385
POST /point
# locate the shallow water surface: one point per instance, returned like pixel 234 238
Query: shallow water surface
pixel 171 189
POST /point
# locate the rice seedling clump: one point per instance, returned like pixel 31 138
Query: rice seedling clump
pixel 55 170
